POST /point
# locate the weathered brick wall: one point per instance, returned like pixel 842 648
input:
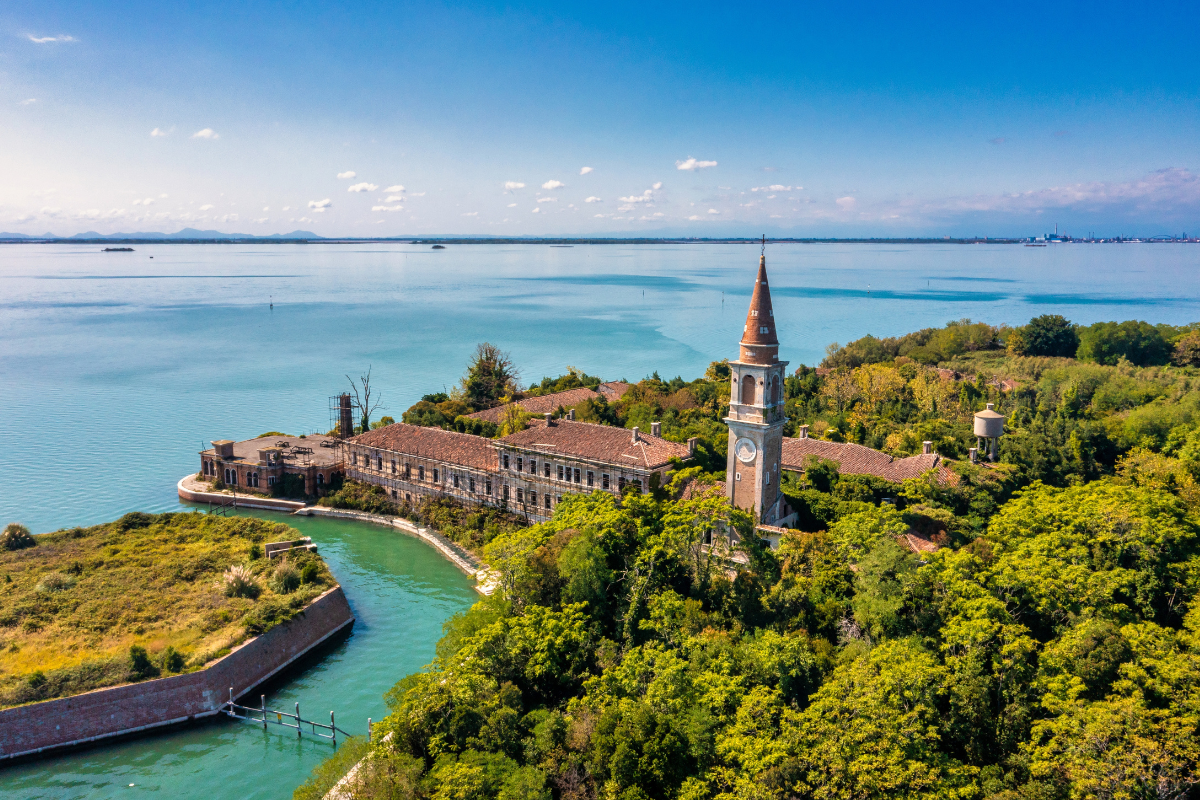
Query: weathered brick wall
pixel 137 706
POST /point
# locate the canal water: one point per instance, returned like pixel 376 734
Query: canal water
pixel 401 591
pixel 116 368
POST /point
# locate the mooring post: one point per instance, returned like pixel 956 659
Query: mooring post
pixel 263 697
pixel 231 700
pixel 297 720
pixel 368 729
pixel 332 729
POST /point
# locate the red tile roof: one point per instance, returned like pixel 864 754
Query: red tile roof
pixel 613 390
pixel 597 443
pixel 759 344
pixel 854 459
pixel 455 448
pixel 540 405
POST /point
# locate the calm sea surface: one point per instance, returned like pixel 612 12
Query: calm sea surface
pixel 116 368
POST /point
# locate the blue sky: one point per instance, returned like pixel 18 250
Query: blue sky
pixel 694 119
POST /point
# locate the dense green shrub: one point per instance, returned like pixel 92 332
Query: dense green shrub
pixel 16 537
pixel 140 664
pixel 286 578
pixel 1050 335
pixel 1138 342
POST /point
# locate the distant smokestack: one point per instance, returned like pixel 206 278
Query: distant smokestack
pixel 692 446
pixel 803 431
pixel 345 417
pixel 549 417
pixel 571 414
pixel 974 453
pixel 656 429
pixel 636 438
pixel 926 447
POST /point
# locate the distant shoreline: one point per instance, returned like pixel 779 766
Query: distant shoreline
pixel 586 241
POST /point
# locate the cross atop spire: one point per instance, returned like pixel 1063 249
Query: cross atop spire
pixel 759 343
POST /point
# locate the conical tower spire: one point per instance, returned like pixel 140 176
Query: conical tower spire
pixel 759 343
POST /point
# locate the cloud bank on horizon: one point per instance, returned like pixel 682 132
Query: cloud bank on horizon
pixel 950 121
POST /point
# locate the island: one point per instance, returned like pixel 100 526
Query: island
pixel 150 620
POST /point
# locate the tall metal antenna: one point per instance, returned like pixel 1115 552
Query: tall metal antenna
pixel 764 246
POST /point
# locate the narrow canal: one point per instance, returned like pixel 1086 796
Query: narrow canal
pixel 401 591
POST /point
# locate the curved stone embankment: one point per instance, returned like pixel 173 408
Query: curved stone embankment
pixel 460 557
pixel 195 491
pixel 119 710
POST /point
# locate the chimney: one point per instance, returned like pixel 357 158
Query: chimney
pixel 636 438
pixel 656 429
pixel 549 417
pixel 224 448
pixel 345 417
pixel 571 414
pixel 974 453
pixel 692 446
pixel 927 447
pixel 803 431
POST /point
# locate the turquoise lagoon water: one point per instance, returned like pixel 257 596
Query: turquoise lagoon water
pixel 116 368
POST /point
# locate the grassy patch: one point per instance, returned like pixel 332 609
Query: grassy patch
pixel 73 607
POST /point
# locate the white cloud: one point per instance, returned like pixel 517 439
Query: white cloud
pixel 159 132
pixel 537 210
pixel 287 208
pixel 510 185
pixel 774 187
pixel 547 199
pixel 29 102
pixel 417 194
pixel 593 200
pixel 347 175
pixel 320 205
pixel 713 211
pixel 362 187
pixel 394 198
pixel 47 211
pixel 776 216
pixel 585 170
pixel 553 185
pixel 394 189
pixel 48 39
pixel 385 208
pixel 644 197
pixel 512 205
pixel 657 186
pixel 694 217
pixel 149 201
pixel 847 203
pixel 206 206
pixel 206 133
pixel 471 214
pixel 163 196
pixel 691 165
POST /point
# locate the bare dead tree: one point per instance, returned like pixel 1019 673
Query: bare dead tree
pixel 363 401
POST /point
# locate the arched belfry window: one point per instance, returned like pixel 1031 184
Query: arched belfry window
pixel 748 390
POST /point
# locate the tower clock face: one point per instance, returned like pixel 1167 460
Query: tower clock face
pixel 745 450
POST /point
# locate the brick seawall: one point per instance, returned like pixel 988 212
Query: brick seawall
pixel 69 721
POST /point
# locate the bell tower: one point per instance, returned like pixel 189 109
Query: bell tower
pixel 756 411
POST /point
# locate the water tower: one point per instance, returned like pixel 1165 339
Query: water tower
pixel 989 426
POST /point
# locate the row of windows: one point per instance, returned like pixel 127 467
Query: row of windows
pixel 253 479
pixel 566 474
